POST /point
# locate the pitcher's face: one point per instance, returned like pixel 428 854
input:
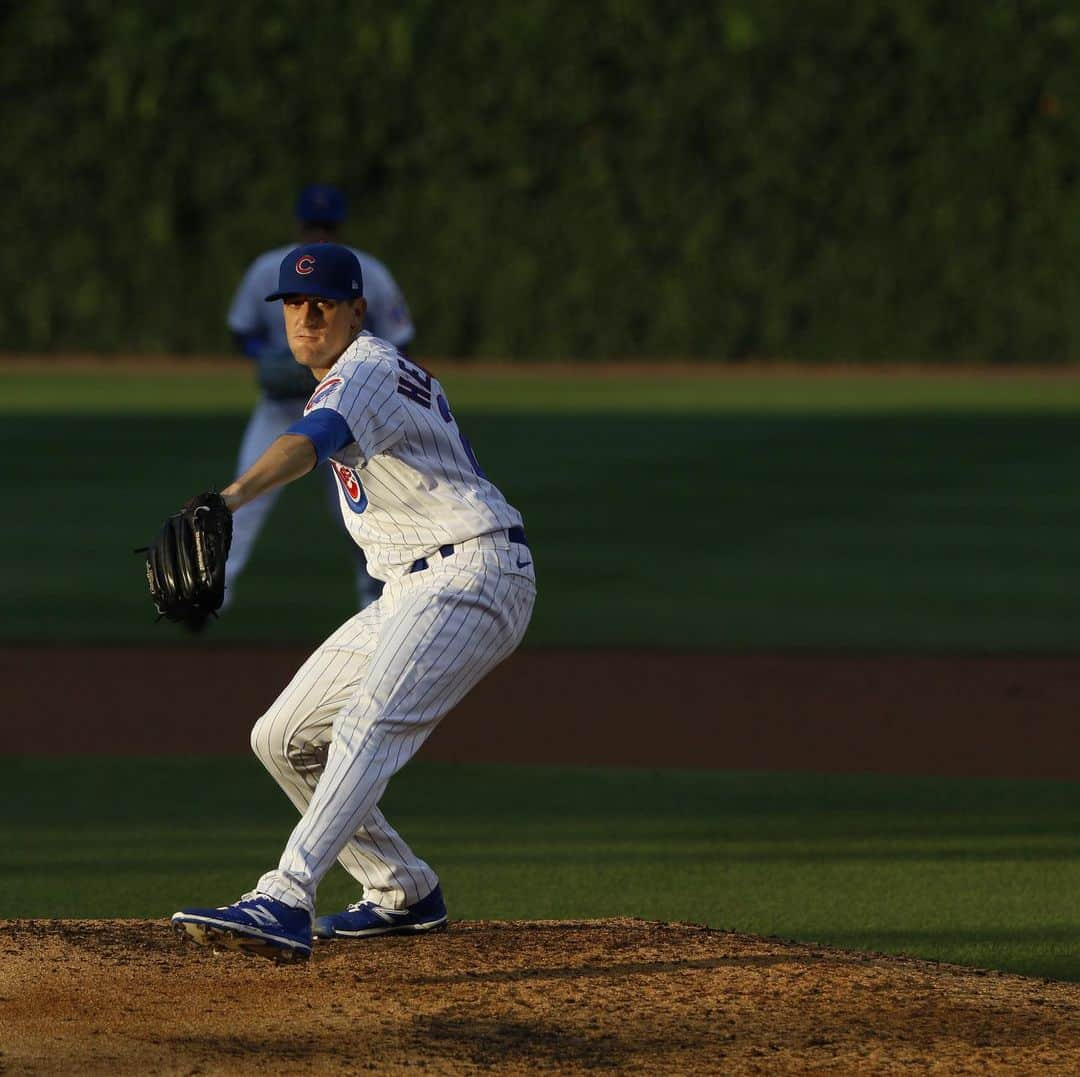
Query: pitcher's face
pixel 319 330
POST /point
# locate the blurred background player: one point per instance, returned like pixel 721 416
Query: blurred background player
pixel 258 330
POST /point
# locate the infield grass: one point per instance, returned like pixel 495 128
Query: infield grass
pixel 978 872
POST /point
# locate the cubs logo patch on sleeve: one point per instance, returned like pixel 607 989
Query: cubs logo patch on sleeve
pixel 351 484
pixel 322 391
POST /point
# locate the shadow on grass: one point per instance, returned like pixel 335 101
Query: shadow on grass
pixel 1046 952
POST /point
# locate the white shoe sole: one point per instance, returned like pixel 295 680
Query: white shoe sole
pixel 390 929
pixel 233 937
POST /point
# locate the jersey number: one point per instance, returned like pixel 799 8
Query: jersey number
pixel 448 415
pixel 416 385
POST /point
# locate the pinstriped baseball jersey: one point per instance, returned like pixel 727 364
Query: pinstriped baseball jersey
pixel 410 483
pixel 459 594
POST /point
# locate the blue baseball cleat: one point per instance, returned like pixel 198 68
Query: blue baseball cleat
pixel 256 924
pixel 366 919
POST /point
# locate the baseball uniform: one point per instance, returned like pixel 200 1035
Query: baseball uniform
pixel 285 385
pixel 459 588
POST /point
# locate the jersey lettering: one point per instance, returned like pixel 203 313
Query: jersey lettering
pixel 410 483
pixel 448 416
pixel 414 384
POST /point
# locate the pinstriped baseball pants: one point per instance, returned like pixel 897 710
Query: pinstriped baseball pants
pixel 363 704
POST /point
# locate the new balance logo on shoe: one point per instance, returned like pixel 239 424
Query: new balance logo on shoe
pixel 263 916
pixel 364 919
pixel 388 914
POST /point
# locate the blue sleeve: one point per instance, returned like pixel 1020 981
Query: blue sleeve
pixel 326 430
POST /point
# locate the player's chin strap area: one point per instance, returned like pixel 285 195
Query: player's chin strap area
pixel 514 534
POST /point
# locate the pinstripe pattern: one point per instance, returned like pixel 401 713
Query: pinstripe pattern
pixel 387 317
pixel 269 421
pixel 422 488
pixel 364 703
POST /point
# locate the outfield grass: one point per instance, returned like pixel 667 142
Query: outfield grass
pixel 978 872
pixel 900 514
pixel 231 389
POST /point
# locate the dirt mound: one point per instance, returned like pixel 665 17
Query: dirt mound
pixel 125 996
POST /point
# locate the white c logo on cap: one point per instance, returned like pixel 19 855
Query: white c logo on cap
pixel 305 264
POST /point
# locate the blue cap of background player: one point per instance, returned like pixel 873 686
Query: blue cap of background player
pixel 327 270
pixel 321 204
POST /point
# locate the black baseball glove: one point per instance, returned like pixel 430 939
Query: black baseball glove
pixel 185 564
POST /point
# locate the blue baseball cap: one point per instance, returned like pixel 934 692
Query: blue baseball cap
pixel 327 270
pixel 319 203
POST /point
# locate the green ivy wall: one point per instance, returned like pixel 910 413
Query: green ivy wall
pixel 885 180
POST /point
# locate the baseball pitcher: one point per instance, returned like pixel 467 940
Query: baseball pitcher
pixel 284 384
pixel 459 588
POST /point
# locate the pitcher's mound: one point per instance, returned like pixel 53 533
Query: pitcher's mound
pixel 126 996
